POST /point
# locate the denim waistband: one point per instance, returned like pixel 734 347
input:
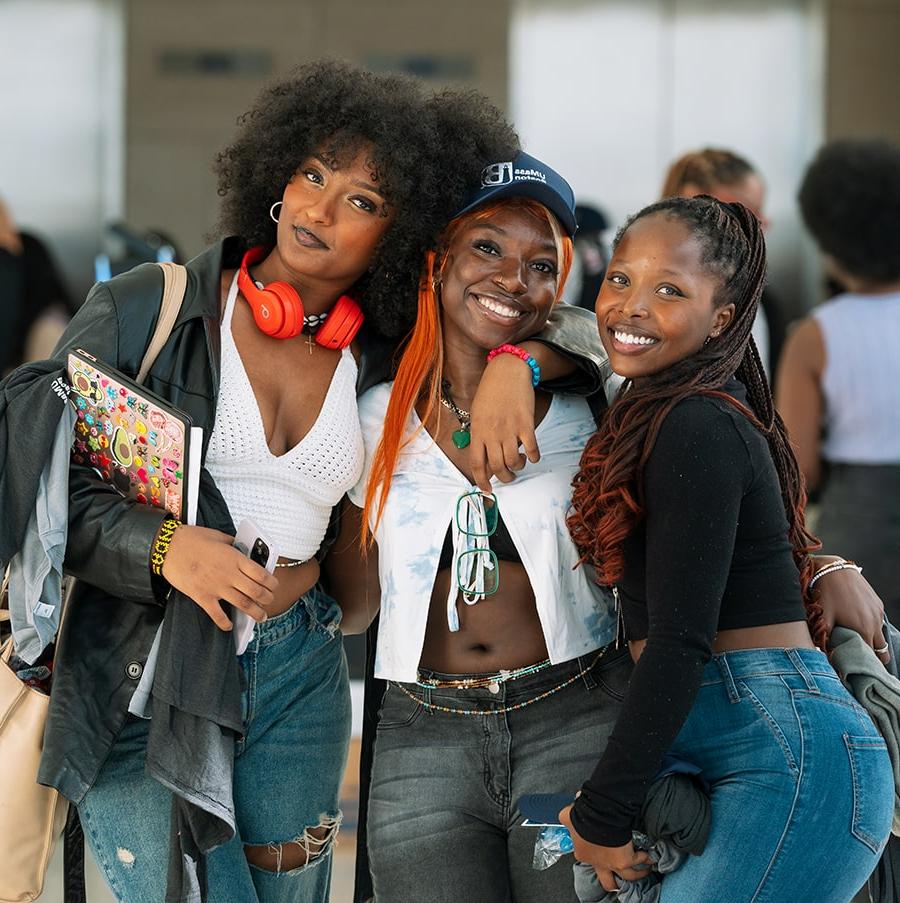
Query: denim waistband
pixel 726 667
pixel 521 687
pixel 279 626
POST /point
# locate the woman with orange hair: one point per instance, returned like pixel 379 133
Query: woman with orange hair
pixel 493 643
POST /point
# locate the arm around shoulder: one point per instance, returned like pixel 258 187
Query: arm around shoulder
pixel 578 365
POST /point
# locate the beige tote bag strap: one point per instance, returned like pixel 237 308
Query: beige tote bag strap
pixel 174 284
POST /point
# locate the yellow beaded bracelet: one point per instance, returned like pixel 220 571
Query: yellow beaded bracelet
pixel 160 547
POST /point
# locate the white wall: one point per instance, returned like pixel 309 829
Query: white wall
pixel 610 92
pixel 60 131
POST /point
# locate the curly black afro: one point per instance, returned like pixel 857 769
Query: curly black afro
pixel 429 150
pixel 850 201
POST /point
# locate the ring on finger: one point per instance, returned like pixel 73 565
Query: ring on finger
pixel 882 649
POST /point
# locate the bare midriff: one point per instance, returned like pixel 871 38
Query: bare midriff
pixel 502 631
pixel 791 635
pixel 293 582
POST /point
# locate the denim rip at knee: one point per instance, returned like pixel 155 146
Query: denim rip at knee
pixel 312 627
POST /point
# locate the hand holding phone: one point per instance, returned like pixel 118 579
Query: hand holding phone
pixel 251 542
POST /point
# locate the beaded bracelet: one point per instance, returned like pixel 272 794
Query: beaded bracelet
pixel 160 547
pixel 841 565
pixel 521 353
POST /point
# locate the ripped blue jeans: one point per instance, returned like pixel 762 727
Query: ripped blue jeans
pixel 287 774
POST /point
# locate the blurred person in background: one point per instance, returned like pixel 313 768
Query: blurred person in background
pixel 35 303
pixel 730 178
pixel 591 257
pixel 839 376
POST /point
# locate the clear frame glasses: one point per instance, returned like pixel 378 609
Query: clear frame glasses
pixel 477 567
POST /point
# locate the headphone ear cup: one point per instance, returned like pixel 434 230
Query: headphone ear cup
pixel 284 308
pixel 277 309
pixel 342 325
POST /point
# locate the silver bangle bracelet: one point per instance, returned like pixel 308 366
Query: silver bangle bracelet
pixel 831 568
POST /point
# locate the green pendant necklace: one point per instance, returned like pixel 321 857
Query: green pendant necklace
pixel 461 437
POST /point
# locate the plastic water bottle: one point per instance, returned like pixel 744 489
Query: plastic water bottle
pixel 556 837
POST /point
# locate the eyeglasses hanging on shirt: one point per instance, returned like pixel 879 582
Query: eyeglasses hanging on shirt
pixel 476 566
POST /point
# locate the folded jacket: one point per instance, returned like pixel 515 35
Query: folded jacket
pixel 664 858
pixel 876 690
pixel 36 571
pixel 676 819
pixel 32 400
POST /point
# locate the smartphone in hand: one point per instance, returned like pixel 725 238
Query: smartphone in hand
pixel 251 542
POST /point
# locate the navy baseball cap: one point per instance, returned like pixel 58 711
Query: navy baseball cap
pixel 526 176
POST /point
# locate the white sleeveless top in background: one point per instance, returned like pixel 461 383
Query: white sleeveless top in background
pixel 290 496
pixel 861 382
pixel 576 615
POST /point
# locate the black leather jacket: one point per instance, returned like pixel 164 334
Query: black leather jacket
pixel 116 608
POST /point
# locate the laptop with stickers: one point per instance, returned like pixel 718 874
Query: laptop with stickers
pixel 140 443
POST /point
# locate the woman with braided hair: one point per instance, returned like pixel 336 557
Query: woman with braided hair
pixel 690 502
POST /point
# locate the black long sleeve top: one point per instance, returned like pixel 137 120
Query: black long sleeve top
pixel 711 553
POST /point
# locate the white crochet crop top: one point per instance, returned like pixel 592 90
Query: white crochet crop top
pixel 289 497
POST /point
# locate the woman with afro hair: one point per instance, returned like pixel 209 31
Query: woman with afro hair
pixel 337 183
pixel 839 377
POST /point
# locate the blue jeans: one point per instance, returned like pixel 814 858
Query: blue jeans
pixel 443 824
pixel 287 773
pixel 801 784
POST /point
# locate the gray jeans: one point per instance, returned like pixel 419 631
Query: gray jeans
pixel 443 824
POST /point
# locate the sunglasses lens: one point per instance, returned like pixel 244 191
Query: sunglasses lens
pixel 491 513
pixel 468 521
pixel 473 576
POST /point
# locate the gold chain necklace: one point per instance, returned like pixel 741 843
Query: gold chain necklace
pixel 461 437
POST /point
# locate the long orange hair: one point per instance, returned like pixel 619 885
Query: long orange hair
pixel 421 364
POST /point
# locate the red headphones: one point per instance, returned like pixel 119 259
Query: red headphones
pixel 278 310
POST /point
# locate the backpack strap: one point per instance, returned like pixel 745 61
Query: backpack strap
pixel 174 285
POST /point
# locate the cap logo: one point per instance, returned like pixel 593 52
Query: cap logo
pixel 497 174
pixel 530 175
